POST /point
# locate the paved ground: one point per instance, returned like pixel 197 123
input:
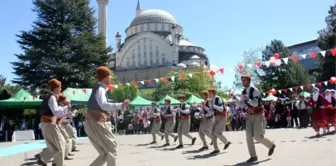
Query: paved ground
pixel 294 147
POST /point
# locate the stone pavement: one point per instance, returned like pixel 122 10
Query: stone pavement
pixel 294 147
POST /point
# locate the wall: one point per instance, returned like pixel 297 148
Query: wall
pixel 306 48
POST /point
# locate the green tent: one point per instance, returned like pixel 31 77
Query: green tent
pixel 305 94
pixel 78 95
pixel 172 101
pixel 194 100
pixel 22 99
pixel 229 101
pixel 140 101
pixel 270 97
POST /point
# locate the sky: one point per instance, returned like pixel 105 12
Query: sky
pixel 225 28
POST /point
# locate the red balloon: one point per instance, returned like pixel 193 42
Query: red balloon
pixel 333 80
pixel 212 73
pixel 276 56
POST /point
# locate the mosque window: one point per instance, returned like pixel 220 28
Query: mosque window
pixel 139 62
pixel 133 63
pixel 150 44
pixel 151 54
pixel 157 53
pixel 145 47
pixel 163 60
pixel 157 60
pixel 146 62
pixel 139 55
pixel 138 46
pixel 133 56
pixel 145 54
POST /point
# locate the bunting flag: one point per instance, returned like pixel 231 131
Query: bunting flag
pixel 295 58
pixel 190 75
pixel 323 53
pixel 73 92
pixel 249 65
pixel 156 80
pixel 325 83
pixel 221 70
pixel 165 79
pixel 149 81
pixel 267 63
pixel 285 60
pixel 173 78
pixel 258 64
pixel 212 73
pixel 182 77
pixel 142 82
pixel 333 52
pixel 304 56
pixel 313 55
pixel 240 67
pixel 313 85
pixel 84 91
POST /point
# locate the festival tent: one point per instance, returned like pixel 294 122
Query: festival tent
pixel 194 100
pixel 140 101
pixel 172 101
pixel 78 95
pixel 305 94
pixel 22 99
pixel 270 97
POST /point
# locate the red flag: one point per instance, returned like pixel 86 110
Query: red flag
pixel 296 88
pixel 276 56
pixel 333 52
pixel 24 98
pixel 240 67
pixel 221 70
pixel 149 81
pixel 313 54
pixel 182 77
pixel 110 87
pixel 134 83
pixel 165 79
pixel 295 58
pixel 333 80
pixel 258 64
pixel 308 86
pixel 84 90
pixel 212 73
pixel 319 84
pixel 285 90
pixel 73 92
pixel 199 73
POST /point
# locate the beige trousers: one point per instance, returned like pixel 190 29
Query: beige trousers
pixel 67 139
pixel 255 129
pixel 156 130
pixel 204 129
pixel 168 130
pixel 55 144
pixel 102 139
pixel 72 134
pixel 217 131
pixel 183 128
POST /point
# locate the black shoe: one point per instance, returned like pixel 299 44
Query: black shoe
pixel 211 143
pixel 179 147
pixel 252 159
pixel 162 137
pixel 75 150
pixel 154 142
pixel 175 139
pixel 69 154
pixel 214 152
pixel 68 158
pixel 271 150
pixel 37 157
pixel 193 141
pixel 227 145
pixel 203 148
pixel 40 162
pixel 165 145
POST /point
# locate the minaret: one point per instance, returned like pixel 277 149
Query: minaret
pixel 102 17
pixel 118 41
pixel 138 9
pixel 173 34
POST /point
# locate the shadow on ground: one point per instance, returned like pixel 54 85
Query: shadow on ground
pixel 204 156
pixel 249 163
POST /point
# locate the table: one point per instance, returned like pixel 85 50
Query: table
pixel 25 135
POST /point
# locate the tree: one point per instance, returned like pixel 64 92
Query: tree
pixel 124 92
pixel 284 75
pixel 326 41
pixel 250 58
pixel 222 91
pixel 62 44
pixel 200 80
pixel 7 89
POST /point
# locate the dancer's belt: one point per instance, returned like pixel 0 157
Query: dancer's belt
pixel 208 117
pixel 97 116
pixel 185 117
pixel 59 121
pixel 48 119
pixel 66 121
pixel 329 106
pixel 157 119
pixel 255 110
pixel 171 118
pixel 217 113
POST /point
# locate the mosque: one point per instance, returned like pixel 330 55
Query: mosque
pixel 153 46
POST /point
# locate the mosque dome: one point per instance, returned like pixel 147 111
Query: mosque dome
pixel 153 16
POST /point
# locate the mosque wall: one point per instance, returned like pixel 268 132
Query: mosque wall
pixel 146 50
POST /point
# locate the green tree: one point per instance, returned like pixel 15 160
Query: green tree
pixel 326 41
pixel 200 80
pixel 11 89
pixel 62 44
pixel 250 58
pixel 124 92
pixel 147 94
pixel 284 75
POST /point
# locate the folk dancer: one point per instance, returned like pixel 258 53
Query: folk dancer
pixel 330 110
pixel 318 103
pixel 66 123
pixel 156 125
pixel 170 123
pixel 207 120
pixel 50 111
pixel 251 101
pixel 184 123
pixel 97 127
pixel 62 101
pixel 216 104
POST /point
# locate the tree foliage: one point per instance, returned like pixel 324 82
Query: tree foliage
pixel 284 75
pixel 6 90
pixel 124 92
pixel 200 80
pixel 326 41
pixel 62 44
pixel 250 57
